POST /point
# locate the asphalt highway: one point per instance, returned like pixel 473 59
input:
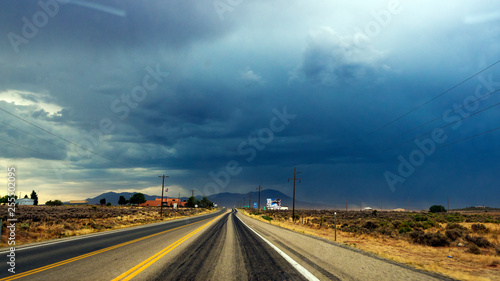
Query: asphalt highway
pixel 229 251
pixel 69 253
pixel 221 246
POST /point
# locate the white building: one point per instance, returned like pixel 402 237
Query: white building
pixel 25 201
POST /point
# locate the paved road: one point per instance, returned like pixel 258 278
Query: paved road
pixel 65 256
pixel 221 246
pixel 229 251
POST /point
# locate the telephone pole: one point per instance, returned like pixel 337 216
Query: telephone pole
pixel 448 199
pixel 192 192
pixel 259 189
pixel 250 201
pixel 162 187
pixel 294 179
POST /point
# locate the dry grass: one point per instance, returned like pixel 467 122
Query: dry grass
pixel 41 223
pixel 462 265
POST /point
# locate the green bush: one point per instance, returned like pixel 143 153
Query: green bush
pixel 473 249
pixel 25 226
pixel 267 218
pixel 456 226
pixel 54 203
pixel 384 223
pixel 404 229
pixel 437 209
pixel 429 239
pixel 350 228
pixel 370 225
pixel 387 231
pixel 480 241
pixel 454 234
pixel 479 228
pixel 455 217
pixel 429 224
pixel 419 217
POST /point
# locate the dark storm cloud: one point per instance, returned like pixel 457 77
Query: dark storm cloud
pixel 330 59
pixel 225 78
pixel 164 24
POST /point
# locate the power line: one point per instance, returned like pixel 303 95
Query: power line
pixel 442 115
pixel 27 148
pixel 435 97
pixel 470 137
pixel 418 107
pixel 48 132
pixel 33 135
pixel 444 126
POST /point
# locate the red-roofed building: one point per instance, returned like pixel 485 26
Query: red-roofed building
pixel 166 202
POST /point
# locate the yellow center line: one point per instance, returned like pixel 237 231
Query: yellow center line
pixel 40 269
pixel 131 273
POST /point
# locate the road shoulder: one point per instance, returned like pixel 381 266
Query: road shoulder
pixel 327 259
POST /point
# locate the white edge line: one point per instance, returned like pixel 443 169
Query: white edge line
pixel 308 275
pixel 90 235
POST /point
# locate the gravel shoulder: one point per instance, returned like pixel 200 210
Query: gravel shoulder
pixel 332 261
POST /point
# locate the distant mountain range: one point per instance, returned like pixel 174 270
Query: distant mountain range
pixel 223 199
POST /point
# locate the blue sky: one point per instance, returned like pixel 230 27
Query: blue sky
pixel 225 95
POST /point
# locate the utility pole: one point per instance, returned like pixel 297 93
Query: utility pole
pixel 294 179
pixel 259 189
pixel 250 201
pixel 346 204
pixel 192 192
pixel 162 187
pixel 448 199
pixel 408 204
pixel 335 218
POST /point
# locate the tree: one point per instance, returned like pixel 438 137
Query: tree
pixel 5 199
pixel 437 209
pixel 34 196
pixel 53 203
pixel 137 198
pixel 26 196
pixel 192 201
pixel 122 201
pixel 102 201
pixel 205 203
pixel 109 204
